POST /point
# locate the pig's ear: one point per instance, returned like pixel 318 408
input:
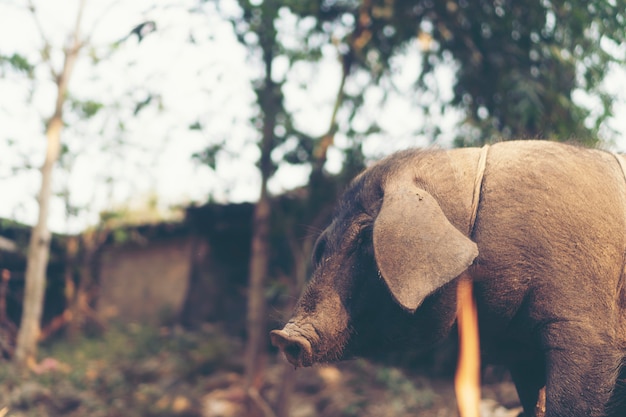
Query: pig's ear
pixel 416 248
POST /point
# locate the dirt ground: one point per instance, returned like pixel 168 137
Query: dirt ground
pixel 135 371
pixel 359 388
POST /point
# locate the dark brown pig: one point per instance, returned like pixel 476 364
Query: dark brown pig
pixel 546 256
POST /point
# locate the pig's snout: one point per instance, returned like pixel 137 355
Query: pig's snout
pixel 297 348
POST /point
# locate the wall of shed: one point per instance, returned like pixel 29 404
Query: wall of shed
pixel 144 283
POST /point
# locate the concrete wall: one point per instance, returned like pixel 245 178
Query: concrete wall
pixel 142 283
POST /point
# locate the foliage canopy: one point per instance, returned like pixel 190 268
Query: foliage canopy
pixel 517 64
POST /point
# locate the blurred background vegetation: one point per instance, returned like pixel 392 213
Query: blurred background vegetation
pixel 451 73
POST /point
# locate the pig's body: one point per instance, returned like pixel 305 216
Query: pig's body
pixel 546 255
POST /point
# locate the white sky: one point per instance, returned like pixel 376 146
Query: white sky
pixel 208 81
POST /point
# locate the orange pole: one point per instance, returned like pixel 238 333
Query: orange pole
pixel 467 378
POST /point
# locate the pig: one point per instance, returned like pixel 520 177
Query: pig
pixel 545 252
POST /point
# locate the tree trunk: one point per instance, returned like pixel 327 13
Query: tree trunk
pixel 288 372
pixel 201 300
pixel 8 330
pixel 39 245
pixel 38 253
pixel 269 98
pixel 81 314
pixel 259 265
pixel 301 251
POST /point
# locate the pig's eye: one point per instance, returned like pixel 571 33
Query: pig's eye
pixel 320 246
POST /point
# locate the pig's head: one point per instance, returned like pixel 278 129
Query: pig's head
pixel 383 273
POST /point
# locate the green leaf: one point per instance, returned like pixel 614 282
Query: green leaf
pixel 195 126
pixel 17 62
pixel 208 156
pixel 86 109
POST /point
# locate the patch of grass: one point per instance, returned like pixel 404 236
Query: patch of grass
pixel 127 371
pixel 410 394
pixel 401 395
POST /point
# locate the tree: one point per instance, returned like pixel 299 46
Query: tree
pixel 261 20
pixel 256 28
pixel 517 64
pixel 58 152
pixel 39 247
